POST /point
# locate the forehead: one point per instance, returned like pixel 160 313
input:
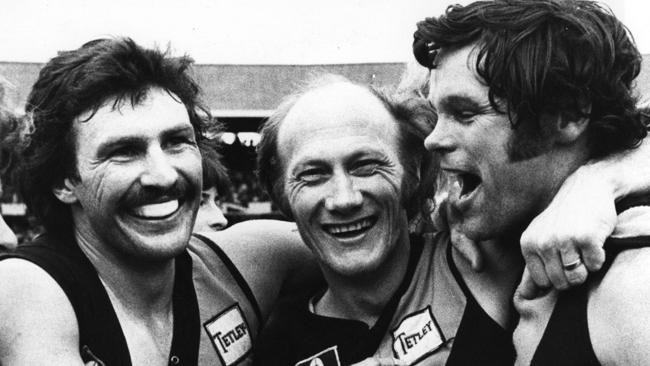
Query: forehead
pixel 338 112
pixel 456 76
pixel 157 113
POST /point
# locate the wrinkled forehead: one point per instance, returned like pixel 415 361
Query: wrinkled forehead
pixel 338 110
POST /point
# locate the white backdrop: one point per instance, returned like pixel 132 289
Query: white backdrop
pixel 242 31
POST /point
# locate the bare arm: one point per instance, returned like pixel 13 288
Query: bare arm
pixel 581 216
pixel 37 323
pixel 270 254
pixel 619 311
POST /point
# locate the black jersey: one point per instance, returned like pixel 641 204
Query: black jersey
pixel 565 338
pixel 432 319
pixel 297 336
pixel 216 317
pixel 439 322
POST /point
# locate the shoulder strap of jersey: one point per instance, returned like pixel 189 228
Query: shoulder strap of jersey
pixel 236 275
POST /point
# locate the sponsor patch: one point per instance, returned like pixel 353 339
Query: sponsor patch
pixel 328 357
pixel 230 335
pixel 417 336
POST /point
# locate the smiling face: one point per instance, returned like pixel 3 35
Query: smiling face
pixel 139 179
pixel 494 196
pixel 342 178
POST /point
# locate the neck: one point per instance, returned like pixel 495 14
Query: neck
pixel 494 287
pixel 564 161
pixel 143 288
pixel 363 297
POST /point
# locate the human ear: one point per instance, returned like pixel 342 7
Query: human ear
pixel 64 192
pixel 569 129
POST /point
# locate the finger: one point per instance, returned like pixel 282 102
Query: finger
pixel 527 288
pixel 593 257
pixel 575 274
pixel 555 271
pixel 537 271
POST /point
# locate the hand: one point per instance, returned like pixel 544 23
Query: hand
pixel 380 362
pixel 572 228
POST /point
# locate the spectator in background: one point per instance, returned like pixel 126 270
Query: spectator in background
pixel 12 130
pixel 216 184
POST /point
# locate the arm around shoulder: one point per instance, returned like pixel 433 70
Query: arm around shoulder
pixel 37 322
pixel 619 311
pixel 269 254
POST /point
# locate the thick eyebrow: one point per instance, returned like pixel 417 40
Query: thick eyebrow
pixel 178 130
pixel 135 140
pixel 107 146
pixel 455 102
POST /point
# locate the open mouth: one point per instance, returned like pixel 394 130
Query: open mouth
pixel 351 229
pixel 460 184
pixel 156 211
pixel 468 183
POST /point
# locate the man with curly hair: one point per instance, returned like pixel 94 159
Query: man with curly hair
pixel 113 171
pixel 526 92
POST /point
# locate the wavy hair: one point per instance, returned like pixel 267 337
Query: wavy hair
pixel 81 81
pixel 546 58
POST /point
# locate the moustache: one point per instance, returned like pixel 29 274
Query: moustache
pixel 146 195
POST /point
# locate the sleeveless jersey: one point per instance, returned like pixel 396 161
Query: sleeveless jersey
pixel 433 319
pixel 566 340
pixel 295 335
pixel 438 321
pixel 215 316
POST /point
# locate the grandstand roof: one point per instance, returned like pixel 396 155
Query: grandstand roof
pixel 255 90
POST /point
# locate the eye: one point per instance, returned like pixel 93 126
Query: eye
pixel 180 141
pixel 312 175
pixel 365 168
pixel 124 152
pixel 464 116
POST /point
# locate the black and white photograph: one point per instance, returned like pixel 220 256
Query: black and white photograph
pixel 311 183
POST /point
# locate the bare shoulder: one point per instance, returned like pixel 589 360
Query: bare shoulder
pixel 37 322
pixel 255 240
pixel 619 311
pixel 267 253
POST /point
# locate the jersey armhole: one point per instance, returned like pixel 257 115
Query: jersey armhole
pixel 236 275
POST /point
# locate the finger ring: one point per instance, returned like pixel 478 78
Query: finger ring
pixel 573 265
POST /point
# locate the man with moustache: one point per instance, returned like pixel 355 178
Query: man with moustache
pixel 526 92
pixel 113 171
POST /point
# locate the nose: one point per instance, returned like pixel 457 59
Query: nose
pixel 217 219
pixel 8 239
pixel 344 196
pixel 441 140
pixel 159 170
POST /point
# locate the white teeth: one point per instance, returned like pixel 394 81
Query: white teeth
pixel 342 229
pixel 450 185
pixel 157 210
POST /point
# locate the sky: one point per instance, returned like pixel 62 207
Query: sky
pixel 242 31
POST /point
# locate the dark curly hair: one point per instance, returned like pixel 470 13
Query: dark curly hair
pixel 547 58
pixel 414 120
pixel 81 81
